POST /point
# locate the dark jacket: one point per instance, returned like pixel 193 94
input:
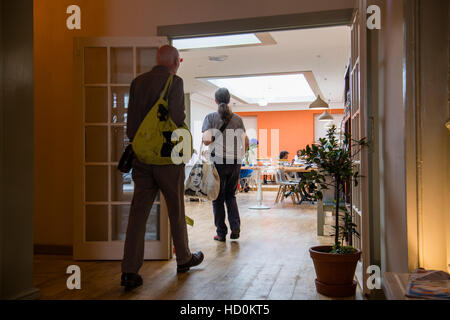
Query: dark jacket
pixel 145 91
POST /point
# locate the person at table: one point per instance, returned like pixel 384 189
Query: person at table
pixel 299 175
pixel 284 161
pixel 298 157
pixel 284 158
pixel 218 128
pixel 284 155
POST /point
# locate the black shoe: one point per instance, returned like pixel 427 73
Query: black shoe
pixel 196 259
pixel 131 280
pixel 219 238
pixel 235 234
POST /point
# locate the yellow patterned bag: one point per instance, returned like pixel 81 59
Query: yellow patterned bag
pixel 158 140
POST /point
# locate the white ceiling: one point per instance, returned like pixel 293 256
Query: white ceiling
pixel 324 51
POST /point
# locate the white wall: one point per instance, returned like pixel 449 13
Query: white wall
pixel 199 110
pixel 251 126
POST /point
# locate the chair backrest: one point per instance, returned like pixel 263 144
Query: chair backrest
pixel 278 176
pixel 283 176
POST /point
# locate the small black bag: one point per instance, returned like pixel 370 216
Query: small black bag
pixel 126 160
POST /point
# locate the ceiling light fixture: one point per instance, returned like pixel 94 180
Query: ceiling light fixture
pixel 319 104
pixel 326 116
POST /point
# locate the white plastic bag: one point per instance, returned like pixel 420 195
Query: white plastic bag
pixel 203 180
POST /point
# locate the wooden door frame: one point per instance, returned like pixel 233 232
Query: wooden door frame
pixel 359 17
pixel 259 24
pixel 411 88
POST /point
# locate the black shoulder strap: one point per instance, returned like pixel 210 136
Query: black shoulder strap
pixel 167 87
pixel 225 124
pixel 222 129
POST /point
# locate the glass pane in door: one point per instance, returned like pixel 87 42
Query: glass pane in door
pixel 152 227
pixel 96 184
pixel 96 106
pixel 121 65
pixel 96 144
pixel 119 104
pixel 122 186
pixel 96 223
pixel 119 141
pixel 145 59
pixel 95 65
pixel 119 222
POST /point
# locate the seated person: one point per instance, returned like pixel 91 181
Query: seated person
pixel 284 155
pixel 284 161
pixel 298 158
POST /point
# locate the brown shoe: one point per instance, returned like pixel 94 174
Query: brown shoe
pixel 219 238
pixel 235 234
pixel 196 259
pixel 131 281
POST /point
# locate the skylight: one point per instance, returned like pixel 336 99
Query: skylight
pixel 216 41
pixel 266 89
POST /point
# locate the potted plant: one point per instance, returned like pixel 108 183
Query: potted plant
pixel 332 161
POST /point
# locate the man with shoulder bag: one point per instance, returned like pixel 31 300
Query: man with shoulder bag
pixel 156 107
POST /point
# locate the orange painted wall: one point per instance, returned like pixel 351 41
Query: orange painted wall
pixel 296 128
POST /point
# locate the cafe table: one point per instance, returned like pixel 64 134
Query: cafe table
pixel 260 170
pixel 259 193
pixel 294 169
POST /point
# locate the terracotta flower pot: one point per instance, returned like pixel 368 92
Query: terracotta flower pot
pixel 335 272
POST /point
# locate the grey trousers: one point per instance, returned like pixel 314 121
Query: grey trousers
pixel 148 181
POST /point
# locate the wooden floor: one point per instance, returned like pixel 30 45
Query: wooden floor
pixel 269 261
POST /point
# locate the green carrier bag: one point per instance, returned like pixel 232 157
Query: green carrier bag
pixel 153 143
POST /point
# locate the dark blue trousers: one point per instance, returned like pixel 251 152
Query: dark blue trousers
pixel 229 178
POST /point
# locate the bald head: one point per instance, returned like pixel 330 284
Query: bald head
pixel 168 56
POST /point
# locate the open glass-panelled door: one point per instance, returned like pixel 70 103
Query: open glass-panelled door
pixel 105 68
pixel 358 85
